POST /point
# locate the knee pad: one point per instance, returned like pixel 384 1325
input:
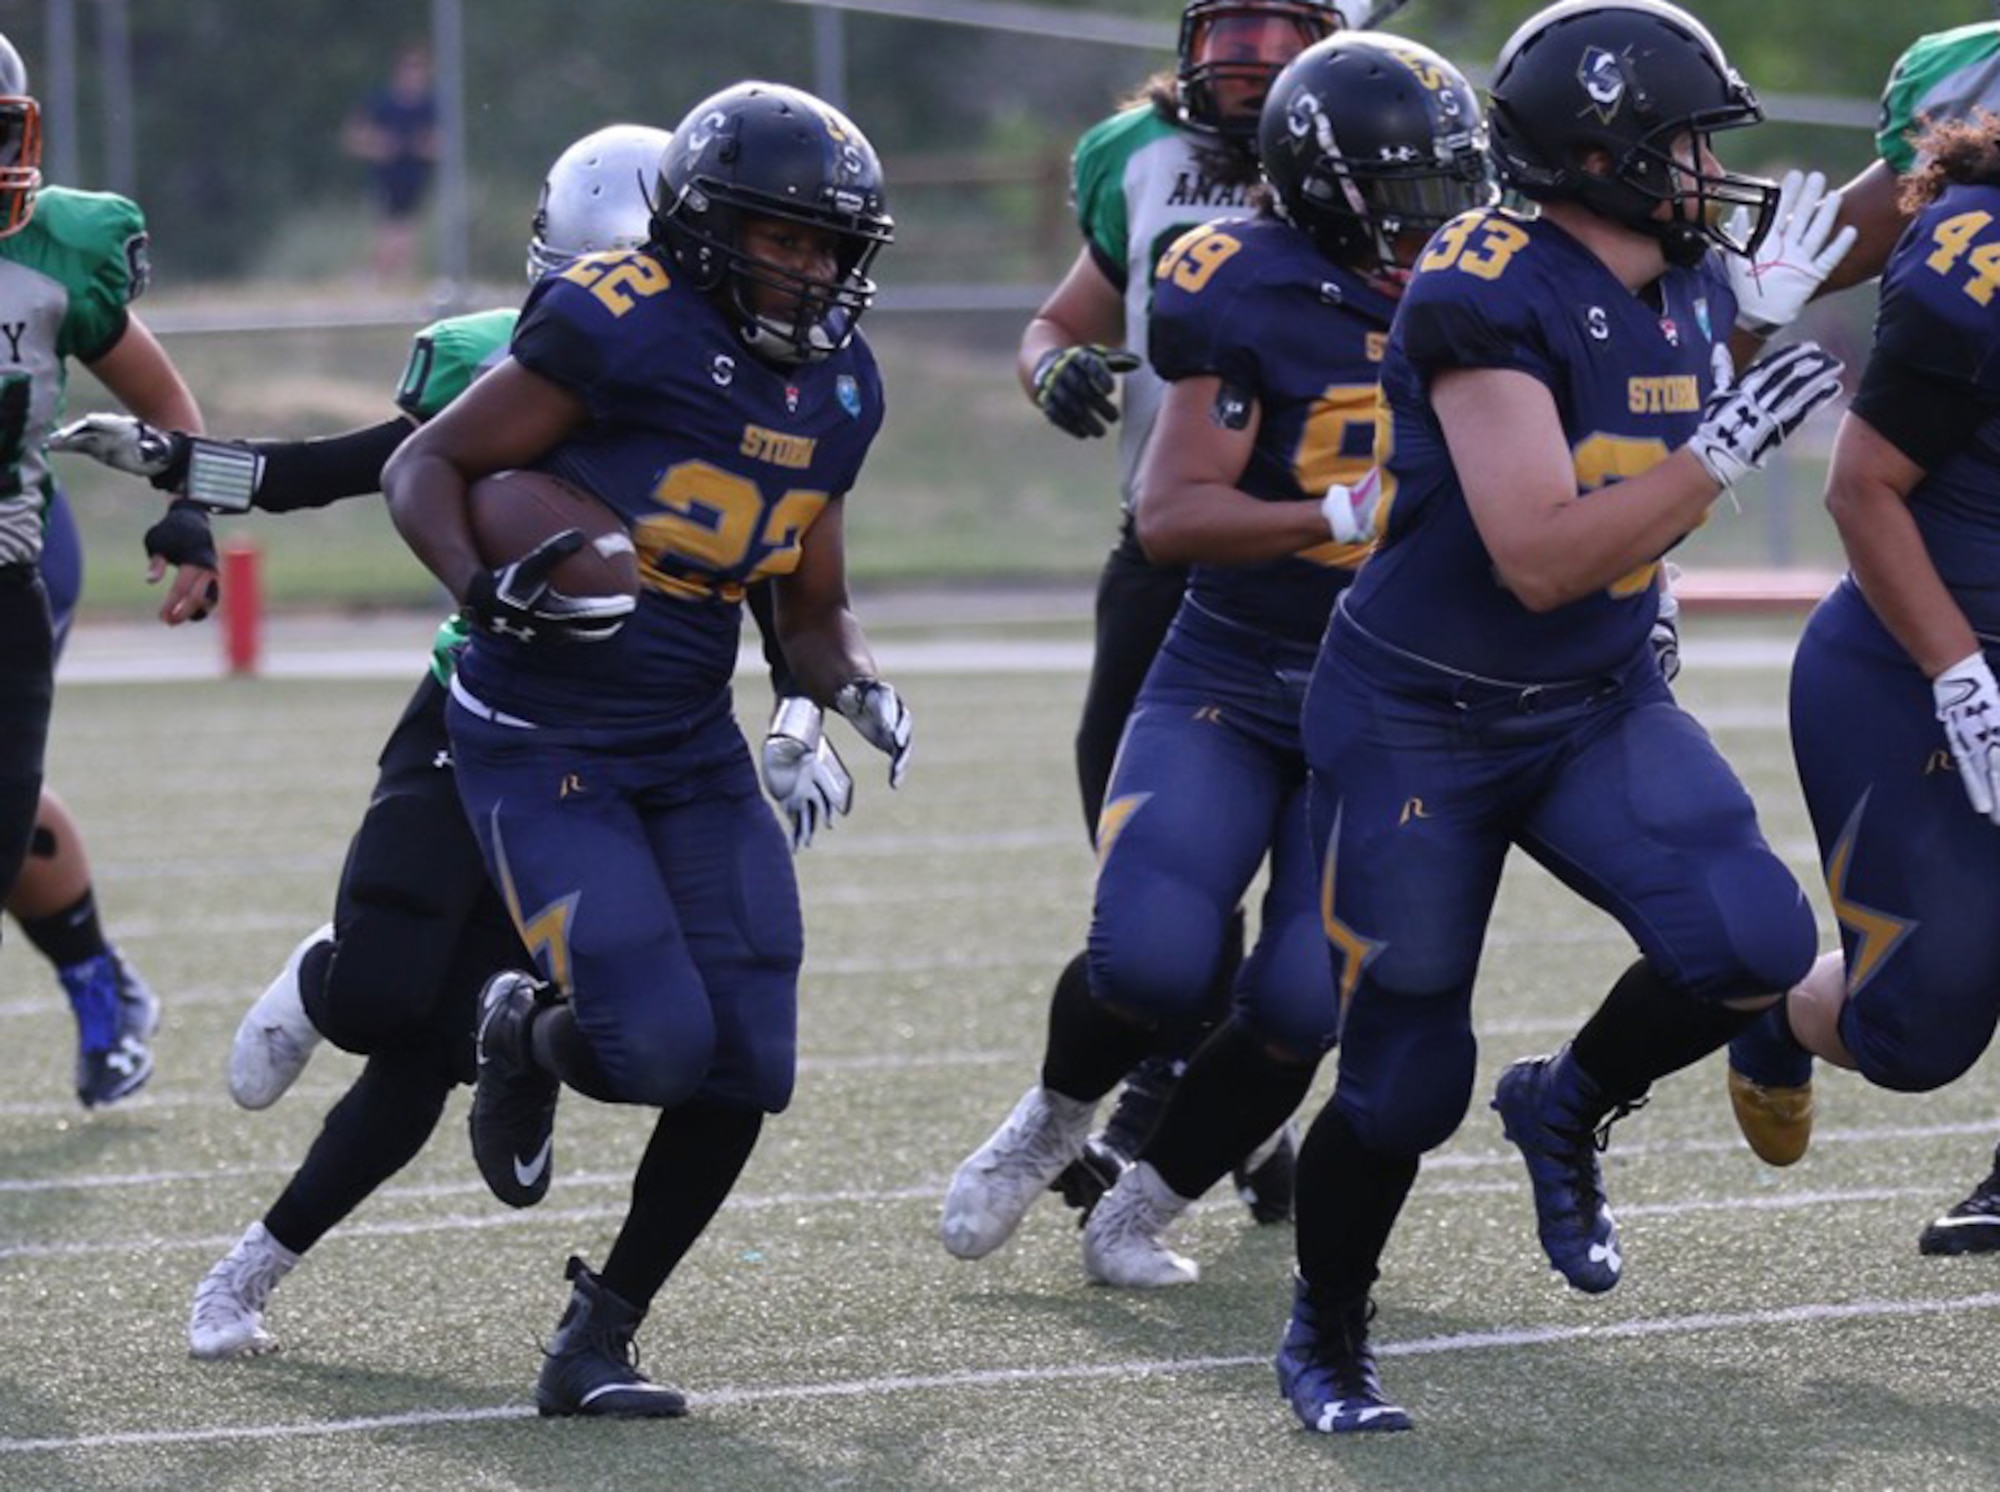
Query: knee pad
pixel 1154 951
pixel 1406 1068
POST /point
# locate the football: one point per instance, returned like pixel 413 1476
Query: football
pixel 513 511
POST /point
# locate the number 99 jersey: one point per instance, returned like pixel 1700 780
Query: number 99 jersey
pixel 1628 375
pixel 717 461
pixel 1254 303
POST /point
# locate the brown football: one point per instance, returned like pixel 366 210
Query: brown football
pixel 513 511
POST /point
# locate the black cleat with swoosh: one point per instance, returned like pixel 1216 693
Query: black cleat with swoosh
pixel 513 1100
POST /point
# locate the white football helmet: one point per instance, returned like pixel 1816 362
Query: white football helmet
pixel 20 143
pixel 594 197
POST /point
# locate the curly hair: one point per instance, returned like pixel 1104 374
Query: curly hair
pixel 1963 152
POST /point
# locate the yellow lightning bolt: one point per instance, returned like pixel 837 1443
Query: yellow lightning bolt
pixel 546 933
pixel 1356 952
pixel 1876 934
pixel 1112 820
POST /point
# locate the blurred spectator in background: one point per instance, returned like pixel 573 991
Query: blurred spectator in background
pixel 394 129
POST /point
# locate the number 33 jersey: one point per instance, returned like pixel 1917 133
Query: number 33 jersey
pixel 1628 374
pixel 718 462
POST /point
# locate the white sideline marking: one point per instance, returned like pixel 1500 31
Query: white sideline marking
pixel 725 1398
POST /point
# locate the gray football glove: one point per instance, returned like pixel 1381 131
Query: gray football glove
pixel 518 600
pixel 803 773
pixel 875 709
pixel 218 475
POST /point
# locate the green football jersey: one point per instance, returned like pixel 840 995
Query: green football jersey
pixel 1139 184
pixel 65 282
pixel 1942 77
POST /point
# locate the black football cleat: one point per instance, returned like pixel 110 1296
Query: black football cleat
pixel 1267 1177
pixel 592 1366
pixel 1085 1180
pixel 513 1100
pixel 1972 1227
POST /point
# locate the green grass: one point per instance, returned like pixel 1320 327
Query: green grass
pixel 1774 1329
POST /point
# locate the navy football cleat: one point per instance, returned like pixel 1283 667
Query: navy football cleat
pixel 1327 1369
pixel 1972 1227
pixel 513 1101
pixel 116 1016
pixel 592 1366
pixel 1560 1120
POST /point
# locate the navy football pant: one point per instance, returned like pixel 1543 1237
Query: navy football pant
pixel 1913 872
pixel 1211 780
pixel 653 884
pixel 1421 785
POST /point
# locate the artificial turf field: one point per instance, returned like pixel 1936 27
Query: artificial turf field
pixel 1773 1329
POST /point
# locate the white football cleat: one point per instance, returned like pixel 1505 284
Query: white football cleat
pixel 996 1185
pixel 228 1316
pixel 275 1039
pixel 1121 1237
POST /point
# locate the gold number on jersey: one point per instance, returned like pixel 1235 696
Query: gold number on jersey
pixel 1602 460
pixel 1196 255
pixel 616 279
pixel 717 520
pixel 1953 238
pixel 1328 452
pixel 1480 244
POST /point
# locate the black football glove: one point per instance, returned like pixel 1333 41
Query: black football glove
pixel 1073 386
pixel 517 600
pixel 182 537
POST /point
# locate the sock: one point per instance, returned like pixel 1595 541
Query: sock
pixel 1647 1028
pixel 1228 1102
pixel 1089 1049
pixel 557 1044
pixel 1347 1203
pixel 69 937
pixel 691 1163
pixel 1767 1052
pixel 376 1129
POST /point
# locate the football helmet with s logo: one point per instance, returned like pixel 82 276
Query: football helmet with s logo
pixel 1367 137
pixel 595 196
pixel 1232 50
pixel 766 150
pixel 1644 83
pixel 20 143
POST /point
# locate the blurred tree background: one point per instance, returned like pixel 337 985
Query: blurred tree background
pixel 223 118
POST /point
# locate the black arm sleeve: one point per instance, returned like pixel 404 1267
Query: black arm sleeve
pixel 315 473
pixel 1925 416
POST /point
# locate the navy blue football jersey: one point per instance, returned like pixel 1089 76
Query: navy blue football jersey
pixel 1495 290
pixel 1938 316
pixel 1251 301
pixel 717 461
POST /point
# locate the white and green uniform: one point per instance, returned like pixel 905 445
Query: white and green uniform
pixel 1140 183
pixel 1945 76
pixel 444 360
pixel 65 282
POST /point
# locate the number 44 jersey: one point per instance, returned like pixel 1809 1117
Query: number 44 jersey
pixel 717 461
pixel 1628 375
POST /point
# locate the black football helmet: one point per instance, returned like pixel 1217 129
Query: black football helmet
pixel 1366 137
pixel 766 150
pixel 1205 63
pixel 20 143
pixel 1627 77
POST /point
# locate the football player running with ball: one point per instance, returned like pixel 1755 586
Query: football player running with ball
pixel 712 389
pixel 1269 333
pixel 1555 426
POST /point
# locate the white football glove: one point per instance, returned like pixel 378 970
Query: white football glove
pixel 1353 513
pixel 1796 256
pixel 875 709
pixel 1968 704
pixel 803 773
pixel 1666 634
pixel 1741 425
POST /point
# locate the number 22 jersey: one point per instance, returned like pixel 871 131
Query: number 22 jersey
pixel 717 461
